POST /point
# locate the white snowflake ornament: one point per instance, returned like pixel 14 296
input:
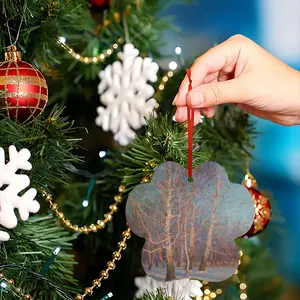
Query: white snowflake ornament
pixel 183 289
pixel 11 184
pixel 126 94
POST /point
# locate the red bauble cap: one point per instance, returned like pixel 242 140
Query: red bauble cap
pixel 26 88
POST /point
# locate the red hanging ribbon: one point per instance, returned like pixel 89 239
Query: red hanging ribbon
pixel 190 120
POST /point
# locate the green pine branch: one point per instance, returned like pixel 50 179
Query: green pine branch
pixel 140 24
pixel 163 141
pixel 31 246
pixel 50 143
pixel 43 21
pixel 226 139
pixel 160 295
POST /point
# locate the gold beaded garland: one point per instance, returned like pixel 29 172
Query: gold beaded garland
pixel 104 274
pixel 88 291
pixel 90 59
pixel 117 255
pixel 17 289
pixel 110 266
pixel 97 283
pixel 92 227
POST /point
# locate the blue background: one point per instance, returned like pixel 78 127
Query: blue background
pixel 277 155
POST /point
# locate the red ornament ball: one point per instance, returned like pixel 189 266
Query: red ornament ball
pixel 101 3
pixel 262 208
pixel 26 90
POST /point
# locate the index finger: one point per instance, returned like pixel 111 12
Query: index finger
pixel 221 56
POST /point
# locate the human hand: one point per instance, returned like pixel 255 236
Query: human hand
pixel 240 72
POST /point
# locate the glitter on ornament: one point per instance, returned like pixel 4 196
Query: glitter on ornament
pixel 26 91
pixel 262 207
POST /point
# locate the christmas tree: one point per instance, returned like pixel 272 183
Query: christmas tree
pixel 86 142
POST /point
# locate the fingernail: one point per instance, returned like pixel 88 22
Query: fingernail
pixel 175 100
pixel 197 99
pixel 175 116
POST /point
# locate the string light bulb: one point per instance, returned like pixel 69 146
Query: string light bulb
pixel 3 285
pixel 180 58
pixel 62 39
pixel 85 203
pixel 173 65
pixel 108 296
pixel 102 154
pixel 178 50
pixel 50 261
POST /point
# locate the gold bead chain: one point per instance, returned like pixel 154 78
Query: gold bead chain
pixel 18 289
pixel 88 291
pixel 90 59
pixel 165 80
pixel 100 224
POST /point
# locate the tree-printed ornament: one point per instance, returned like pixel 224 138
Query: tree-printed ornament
pixel 11 185
pixel 126 94
pixel 190 227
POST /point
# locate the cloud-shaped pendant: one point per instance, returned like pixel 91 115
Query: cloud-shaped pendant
pixel 190 228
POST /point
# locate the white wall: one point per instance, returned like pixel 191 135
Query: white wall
pixel 280 28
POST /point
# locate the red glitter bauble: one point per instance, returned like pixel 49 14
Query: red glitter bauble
pixel 26 91
pixel 262 208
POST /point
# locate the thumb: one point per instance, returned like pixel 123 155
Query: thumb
pixel 211 94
